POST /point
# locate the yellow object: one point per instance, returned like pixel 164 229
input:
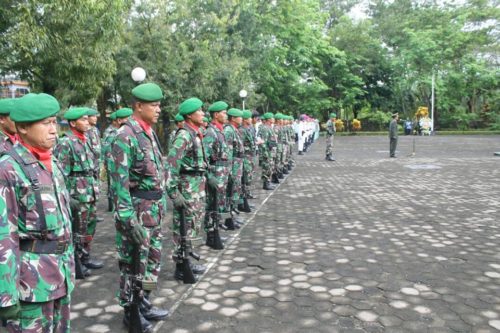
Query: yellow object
pixel 422 111
pixel 356 125
pixel 339 125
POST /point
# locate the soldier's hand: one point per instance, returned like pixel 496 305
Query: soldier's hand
pixel 137 234
pixel 180 202
pixel 10 312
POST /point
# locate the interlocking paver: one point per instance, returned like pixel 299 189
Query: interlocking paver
pixel 363 244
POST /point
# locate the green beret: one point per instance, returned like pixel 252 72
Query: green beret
pixel 34 107
pixel 92 112
pixel 218 106
pixel 268 115
pixel 247 114
pixel 124 112
pixel 112 116
pixel 333 115
pixel 178 118
pixel 75 113
pixel 148 92
pixel 278 116
pixel 235 112
pixel 189 106
pixel 7 105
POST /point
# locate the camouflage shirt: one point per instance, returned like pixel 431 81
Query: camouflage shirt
pixel 94 140
pixel 248 137
pixel 29 276
pixel 5 142
pixel 78 167
pixel 215 145
pixel 266 133
pixel 186 155
pixel 108 137
pixel 234 141
pixel 137 164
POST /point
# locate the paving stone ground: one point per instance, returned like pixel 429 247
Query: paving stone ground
pixel 363 244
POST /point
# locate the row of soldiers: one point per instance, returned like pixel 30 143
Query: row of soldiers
pixel 49 188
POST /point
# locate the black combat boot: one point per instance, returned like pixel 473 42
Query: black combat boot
pixel 280 175
pixel 285 171
pixel 179 274
pixel 151 312
pixel 145 324
pixel 267 186
pixel 274 178
pixel 91 263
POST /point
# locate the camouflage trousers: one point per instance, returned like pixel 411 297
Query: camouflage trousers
pixel 329 145
pixel 267 165
pixel 192 188
pixel 43 317
pixel 150 257
pixel 278 159
pixel 234 190
pixel 88 221
pixel 220 173
pixel 248 168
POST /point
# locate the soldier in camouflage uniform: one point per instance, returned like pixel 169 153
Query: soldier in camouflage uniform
pixel 249 152
pixel 179 123
pixel 117 119
pixel 291 142
pixel 137 181
pixel 8 132
pixel 217 154
pixel 74 154
pixel 267 150
pixel 94 138
pixel 330 132
pixel 36 265
pixel 235 148
pixel 187 165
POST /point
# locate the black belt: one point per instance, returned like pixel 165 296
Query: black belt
pixel 82 173
pixel 220 163
pixel 193 172
pixel 148 195
pixel 43 246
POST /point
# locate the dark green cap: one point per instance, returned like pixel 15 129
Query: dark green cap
pixel 218 106
pixel 333 115
pixel 247 114
pixel 124 112
pixel 92 112
pixel 7 105
pixel 178 118
pixel 112 116
pixel 75 113
pixel 268 115
pixel 235 112
pixel 34 107
pixel 148 92
pixel 190 105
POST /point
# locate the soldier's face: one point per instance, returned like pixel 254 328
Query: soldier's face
pixel 149 112
pixel 180 124
pixel 41 134
pixel 81 124
pixel 92 120
pixel 196 117
pixel 7 125
pixel 238 120
pixel 220 117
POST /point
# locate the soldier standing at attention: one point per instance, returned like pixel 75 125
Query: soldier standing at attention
pixel 267 149
pixel 235 148
pixel 393 135
pixel 36 265
pixel 330 132
pixel 216 150
pixel 94 139
pixel 8 132
pixel 137 181
pixel 179 123
pixel 249 152
pixel 187 165
pixel 77 162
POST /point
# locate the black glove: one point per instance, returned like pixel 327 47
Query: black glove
pixel 137 234
pixel 10 312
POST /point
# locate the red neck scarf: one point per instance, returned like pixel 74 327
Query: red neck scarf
pixel 13 137
pixel 196 129
pixel 42 155
pixel 144 125
pixel 79 135
pixel 218 125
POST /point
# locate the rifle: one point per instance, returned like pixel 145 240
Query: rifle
pixel 229 222
pixel 77 244
pixel 184 252
pixel 213 236
pixel 244 189
pixel 135 296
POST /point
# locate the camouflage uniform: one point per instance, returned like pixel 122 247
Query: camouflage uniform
pixel 107 139
pixel 283 142
pixel 267 151
pixel 235 149
pixel 6 142
pixel 249 152
pixel 330 132
pixel 217 153
pixel 94 139
pixel 78 167
pixel 41 274
pixel 137 180
pixel 187 164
